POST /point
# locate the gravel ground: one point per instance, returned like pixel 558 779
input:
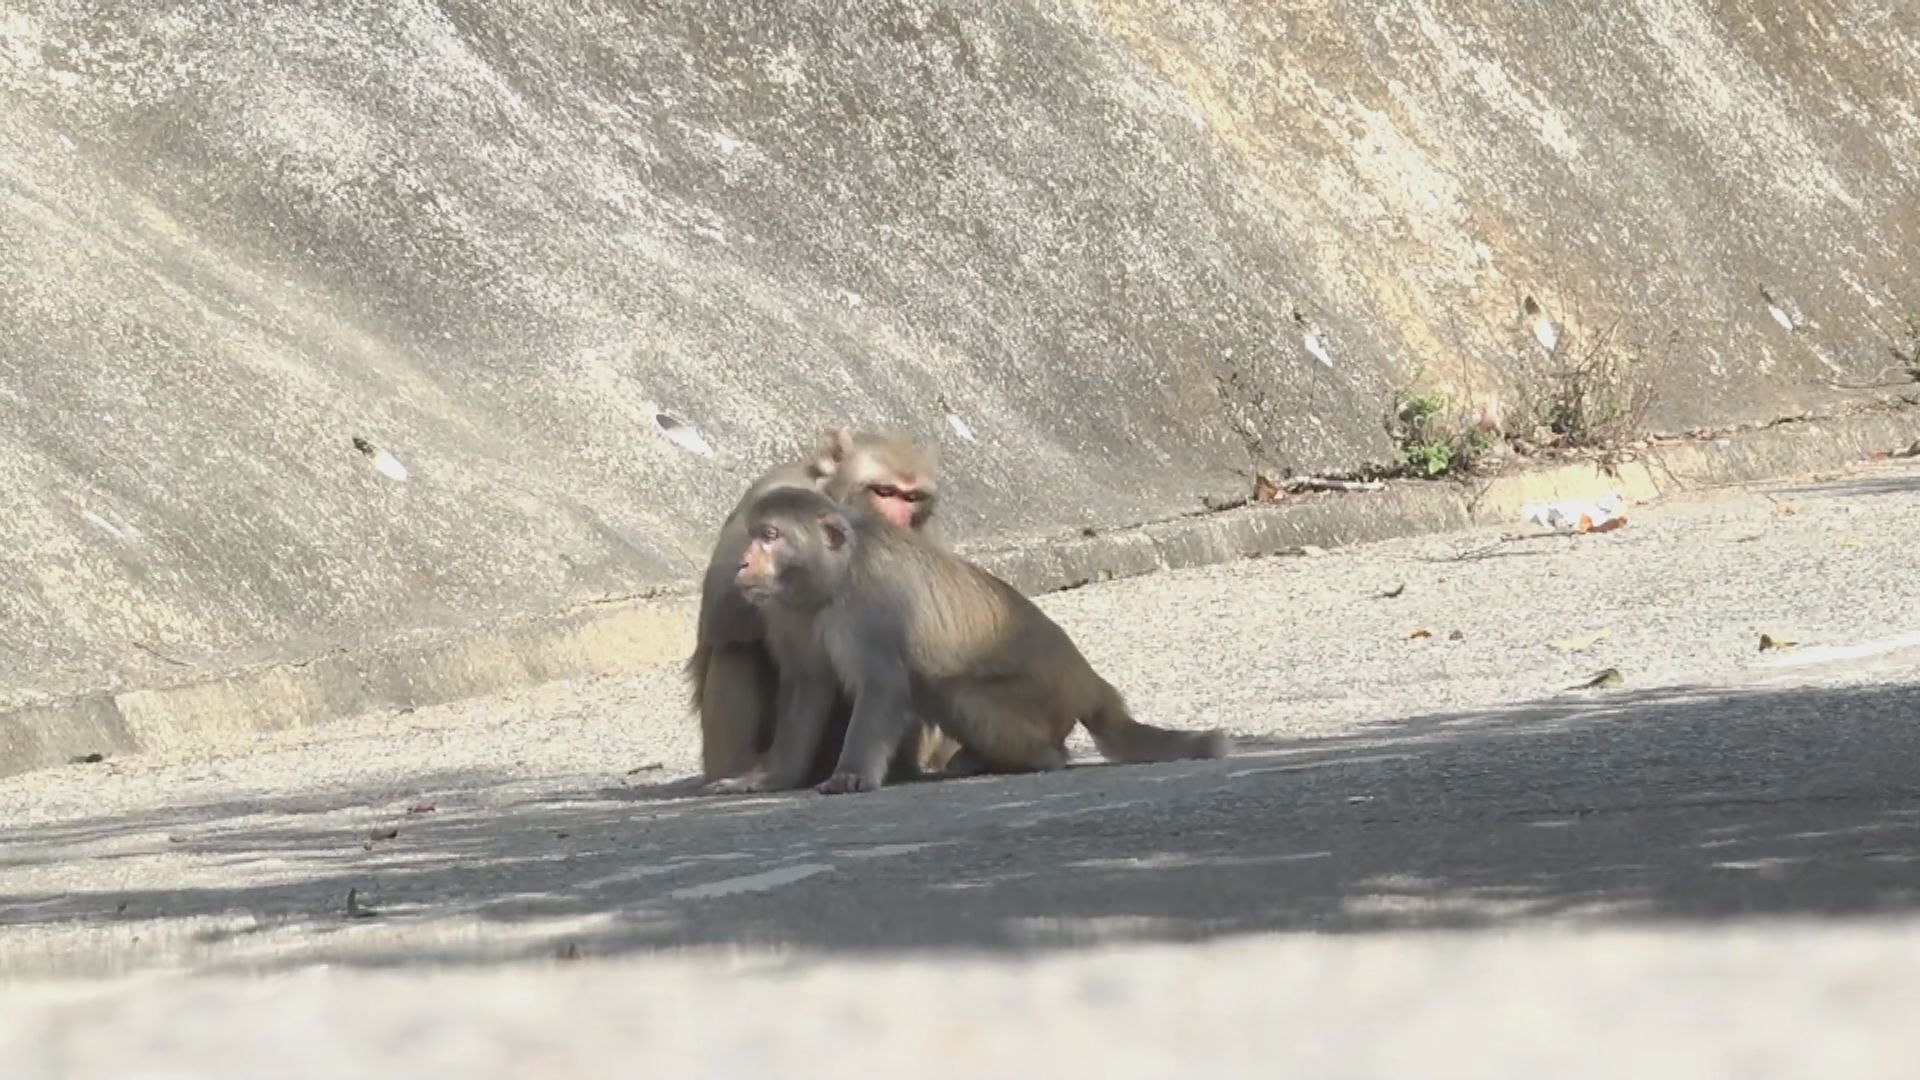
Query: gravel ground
pixel 1425 831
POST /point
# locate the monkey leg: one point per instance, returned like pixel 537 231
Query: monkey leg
pixel 807 701
pixel 1001 733
pixel 736 709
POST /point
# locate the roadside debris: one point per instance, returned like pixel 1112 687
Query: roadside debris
pixel 1611 677
pixel 1605 514
pixel 1769 643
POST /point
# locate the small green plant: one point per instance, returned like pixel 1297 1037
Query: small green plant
pixel 1435 436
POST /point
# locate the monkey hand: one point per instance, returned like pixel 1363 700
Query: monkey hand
pixel 847 783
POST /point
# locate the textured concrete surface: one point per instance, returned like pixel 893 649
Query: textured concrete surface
pixel 1134 248
pixel 1429 850
pixel 626 636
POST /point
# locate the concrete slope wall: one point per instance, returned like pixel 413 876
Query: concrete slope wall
pixel 1130 249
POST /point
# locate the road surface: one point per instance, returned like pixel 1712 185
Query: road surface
pixel 1429 853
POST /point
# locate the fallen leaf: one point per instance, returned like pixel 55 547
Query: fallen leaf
pixel 1609 677
pixel 1769 643
pixel 1606 526
pixel 651 766
pixel 1423 632
pixel 1456 635
pixel 1264 489
pixel 422 808
pixel 1393 592
pixel 1583 642
pixel 94 758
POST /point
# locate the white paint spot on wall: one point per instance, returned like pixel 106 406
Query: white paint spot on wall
pixel 751 883
pixel 1545 331
pixel 383 462
pixel 682 434
pixel 1779 311
pixel 1318 348
pixel 103 524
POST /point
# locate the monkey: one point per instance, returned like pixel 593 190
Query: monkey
pixel 908 629
pixel 734 680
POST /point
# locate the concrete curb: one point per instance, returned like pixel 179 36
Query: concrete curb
pixel 627 636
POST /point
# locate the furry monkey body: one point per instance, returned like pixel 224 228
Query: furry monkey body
pixel 910 630
pixel 733 674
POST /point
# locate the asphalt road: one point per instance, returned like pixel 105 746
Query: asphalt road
pixel 1428 853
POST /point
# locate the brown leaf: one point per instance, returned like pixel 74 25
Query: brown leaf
pixel 1769 643
pixel 1264 489
pixel 1456 635
pixel 1422 632
pixel 422 808
pixel 1608 525
pixel 1609 677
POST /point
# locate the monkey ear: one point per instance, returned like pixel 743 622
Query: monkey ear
pixel 832 451
pixel 835 529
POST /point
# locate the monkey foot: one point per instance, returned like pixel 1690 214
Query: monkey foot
pixel 749 784
pixel 843 783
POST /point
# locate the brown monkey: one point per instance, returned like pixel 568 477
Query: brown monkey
pixel 734 679
pixel 908 629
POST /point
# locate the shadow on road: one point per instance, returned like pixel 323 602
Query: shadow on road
pixel 1675 805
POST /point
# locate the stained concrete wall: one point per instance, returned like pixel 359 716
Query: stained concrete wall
pixel 1134 249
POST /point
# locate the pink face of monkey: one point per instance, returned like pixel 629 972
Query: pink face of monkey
pixel 897 502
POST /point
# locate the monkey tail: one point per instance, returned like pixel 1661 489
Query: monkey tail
pixel 697 672
pixel 1123 739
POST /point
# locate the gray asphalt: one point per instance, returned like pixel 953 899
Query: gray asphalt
pixel 1432 832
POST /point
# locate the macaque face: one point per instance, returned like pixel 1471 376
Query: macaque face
pixel 897 501
pixel 792 561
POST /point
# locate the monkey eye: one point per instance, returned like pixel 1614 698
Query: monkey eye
pixel 891 491
pixel 768 533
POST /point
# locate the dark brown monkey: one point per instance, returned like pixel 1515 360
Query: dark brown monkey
pixel 734 679
pixel 908 629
